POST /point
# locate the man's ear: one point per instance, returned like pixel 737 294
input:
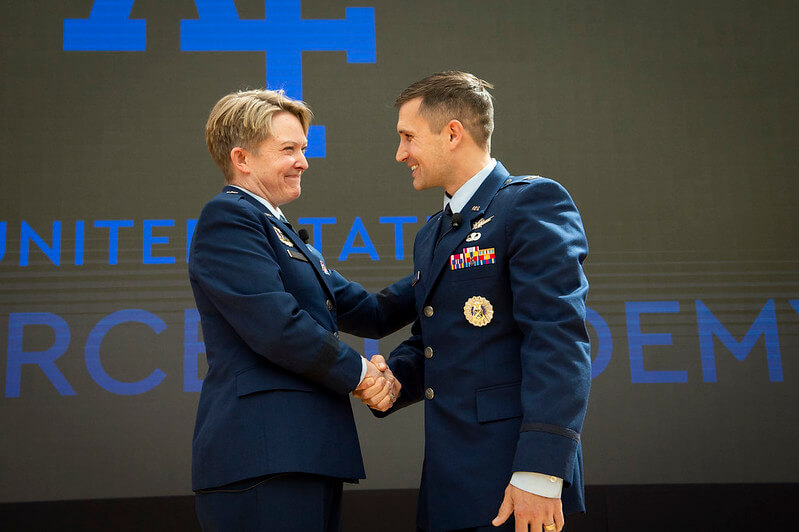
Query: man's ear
pixel 239 159
pixel 455 131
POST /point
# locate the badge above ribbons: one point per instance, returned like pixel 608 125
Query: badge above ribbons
pixel 283 238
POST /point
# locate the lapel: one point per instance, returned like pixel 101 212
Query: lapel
pixel 426 243
pixel 452 238
pixel 299 245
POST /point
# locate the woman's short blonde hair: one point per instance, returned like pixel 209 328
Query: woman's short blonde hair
pixel 244 119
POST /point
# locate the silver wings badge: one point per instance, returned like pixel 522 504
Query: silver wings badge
pixel 477 224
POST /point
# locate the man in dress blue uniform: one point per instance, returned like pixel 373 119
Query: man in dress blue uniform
pixel 275 435
pixel 499 351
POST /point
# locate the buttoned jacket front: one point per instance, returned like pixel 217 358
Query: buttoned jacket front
pixel 275 398
pixel 500 353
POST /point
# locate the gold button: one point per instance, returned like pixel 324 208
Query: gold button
pixel 429 393
pixel 428 352
pixel 329 304
pixel 428 311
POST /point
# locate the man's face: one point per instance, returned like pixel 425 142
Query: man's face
pixel 424 151
pixel 278 162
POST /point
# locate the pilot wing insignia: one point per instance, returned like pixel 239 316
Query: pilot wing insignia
pixel 282 237
pixel 477 224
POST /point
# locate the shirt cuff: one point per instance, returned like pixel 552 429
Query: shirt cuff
pixel 363 371
pixel 538 484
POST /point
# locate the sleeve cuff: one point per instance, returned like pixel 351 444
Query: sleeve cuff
pixel 538 484
pixel 363 371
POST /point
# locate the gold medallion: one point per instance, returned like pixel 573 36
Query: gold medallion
pixel 478 311
pixel 283 238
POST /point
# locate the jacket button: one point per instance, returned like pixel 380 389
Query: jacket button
pixel 429 393
pixel 329 304
pixel 335 334
pixel 428 352
pixel 428 311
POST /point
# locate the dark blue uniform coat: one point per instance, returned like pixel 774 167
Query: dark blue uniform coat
pixel 275 396
pixel 510 395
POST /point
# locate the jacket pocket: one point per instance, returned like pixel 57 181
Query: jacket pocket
pixel 473 272
pixel 261 379
pixel 499 402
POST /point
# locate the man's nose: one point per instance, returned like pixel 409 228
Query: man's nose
pixel 402 154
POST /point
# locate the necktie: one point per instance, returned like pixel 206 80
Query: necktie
pixel 446 223
pixel 283 219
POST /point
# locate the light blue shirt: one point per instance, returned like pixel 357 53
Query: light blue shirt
pixel 462 196
pixel 274 210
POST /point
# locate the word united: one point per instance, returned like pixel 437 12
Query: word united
pixel 473 256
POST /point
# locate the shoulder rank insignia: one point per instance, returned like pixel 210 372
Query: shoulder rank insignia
pixel 478 311
pixel 476 208
pixel 477 224
pixel 231 192
pixel 283 238
pixel 473 256
pixel 530 177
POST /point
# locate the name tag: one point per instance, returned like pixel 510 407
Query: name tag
pixel 294 254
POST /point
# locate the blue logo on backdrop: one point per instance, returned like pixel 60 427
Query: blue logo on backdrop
pixel 283 35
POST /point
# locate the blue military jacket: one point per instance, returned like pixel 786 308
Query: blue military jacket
pixel 500 353
pixel 275 396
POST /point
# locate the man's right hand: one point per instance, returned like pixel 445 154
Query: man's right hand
pixel 379 388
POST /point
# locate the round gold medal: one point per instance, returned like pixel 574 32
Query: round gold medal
pixel 478 311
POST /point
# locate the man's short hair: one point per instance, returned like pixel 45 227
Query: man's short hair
pixel 454 95
pixel 244 119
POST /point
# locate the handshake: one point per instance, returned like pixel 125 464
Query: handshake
pixel 379 388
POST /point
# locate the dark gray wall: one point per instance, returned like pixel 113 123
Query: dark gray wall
pixel 673 125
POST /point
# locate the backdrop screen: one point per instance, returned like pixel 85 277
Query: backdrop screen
pixel 673 125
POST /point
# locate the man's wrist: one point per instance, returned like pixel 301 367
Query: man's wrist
pixel 538 484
